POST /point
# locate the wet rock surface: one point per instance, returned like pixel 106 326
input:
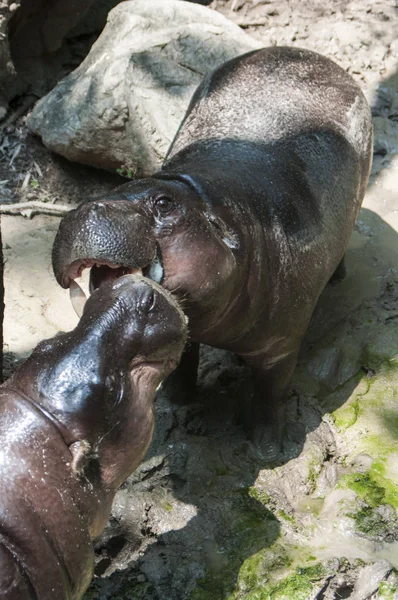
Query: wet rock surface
pixel 206 516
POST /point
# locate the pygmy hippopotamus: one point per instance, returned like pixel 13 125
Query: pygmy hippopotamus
pixel 248 218
pixel 75 420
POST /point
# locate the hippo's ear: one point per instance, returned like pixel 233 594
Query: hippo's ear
pixel 81 453
pixel 229 238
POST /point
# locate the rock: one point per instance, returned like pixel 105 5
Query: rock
pixel 385 136
pixel 370 578
pixel 332 367
pixel 7 70
pixel 35 42
pixel 39 27
pixel 121 107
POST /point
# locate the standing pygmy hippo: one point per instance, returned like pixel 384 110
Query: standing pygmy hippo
pixel 249 216
pixel 75 420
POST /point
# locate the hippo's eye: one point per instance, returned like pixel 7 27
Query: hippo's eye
pixel 164 204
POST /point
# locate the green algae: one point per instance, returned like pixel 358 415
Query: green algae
pixel 255 571
pixel 259 495
pixel 377 446
pixel 372 486
pixel 347 415
pixel 390 421
pixel 314 469
pixel 365 487
pixel 382 358
pixel 296 586
pixel 380 362
pixel 374 422
pixel 265 576
pixel 374 490
pixel 370 523
pixel 250 533
pixel 387 591
pixel 286 517
pixel 390 487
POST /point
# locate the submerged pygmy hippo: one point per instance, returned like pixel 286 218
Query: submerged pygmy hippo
pixel 250 215
pixel 75 420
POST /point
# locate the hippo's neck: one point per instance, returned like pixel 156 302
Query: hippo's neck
pixel 68 377
pixel 223 176
pixel 221 170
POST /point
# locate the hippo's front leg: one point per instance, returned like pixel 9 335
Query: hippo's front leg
pixel 13 584
pixel 266 416
pixel 180 386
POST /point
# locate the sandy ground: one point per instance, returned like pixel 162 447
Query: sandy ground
pixel 178 528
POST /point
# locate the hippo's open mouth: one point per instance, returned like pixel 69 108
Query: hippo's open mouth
pixel 102 271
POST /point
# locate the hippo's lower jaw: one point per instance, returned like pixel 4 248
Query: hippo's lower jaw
pixel 101 271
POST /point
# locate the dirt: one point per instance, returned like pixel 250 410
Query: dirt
pixel 206 516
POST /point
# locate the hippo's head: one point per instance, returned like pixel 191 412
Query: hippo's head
pixel 161 227
pixel 98 382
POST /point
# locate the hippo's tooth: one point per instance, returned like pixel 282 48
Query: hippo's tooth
pixel 77 297
pixel 156 270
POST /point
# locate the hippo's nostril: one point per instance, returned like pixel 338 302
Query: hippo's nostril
pixel 98 208
pixel 153 302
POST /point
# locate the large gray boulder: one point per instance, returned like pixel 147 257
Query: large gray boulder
pixel 122 106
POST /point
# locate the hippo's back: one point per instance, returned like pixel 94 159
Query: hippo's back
pixel 280 138
pixel 272 94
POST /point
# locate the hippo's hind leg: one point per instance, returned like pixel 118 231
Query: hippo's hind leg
pixel 13 584
pixel 339 273
pixel 180 386
pixel 266 416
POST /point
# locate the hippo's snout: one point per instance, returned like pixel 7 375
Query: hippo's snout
pixel 109 234
pixel 135 308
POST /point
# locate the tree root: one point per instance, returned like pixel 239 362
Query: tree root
pixel 29 209
pixel 29 101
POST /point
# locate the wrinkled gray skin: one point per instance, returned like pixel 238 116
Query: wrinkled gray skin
pixel 75 420
pixel 250 215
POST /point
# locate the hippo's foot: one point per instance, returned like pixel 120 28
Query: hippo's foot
pixel 267 447
pixel 266 428
pixel 266 417
pixel 180 386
